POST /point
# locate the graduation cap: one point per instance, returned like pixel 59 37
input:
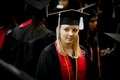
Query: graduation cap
pixel 70 17
pixel 87 9
pixel 114 36
pixel 8 71
pixel 39 4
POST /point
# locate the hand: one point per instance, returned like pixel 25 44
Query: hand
pixel 104 51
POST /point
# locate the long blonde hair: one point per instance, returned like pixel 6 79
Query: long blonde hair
pixel 76 47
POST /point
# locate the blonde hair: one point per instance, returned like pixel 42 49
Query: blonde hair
pixel 76 47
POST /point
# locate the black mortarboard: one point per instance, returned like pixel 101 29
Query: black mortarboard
pixel 70 17
pixel 39 4
pixel 114 36
pixel 8 71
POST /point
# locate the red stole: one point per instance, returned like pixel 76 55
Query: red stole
pixel 66 67
pixel 2 36
pixel 25 23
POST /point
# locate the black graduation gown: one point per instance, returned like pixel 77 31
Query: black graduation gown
pixel 49 66
pixel 24 53
pixel 92 43
pixel 112 69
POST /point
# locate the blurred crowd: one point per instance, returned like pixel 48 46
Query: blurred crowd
pixel 26 28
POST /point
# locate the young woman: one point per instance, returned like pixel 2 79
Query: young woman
pixel 89 39
pixel 65 59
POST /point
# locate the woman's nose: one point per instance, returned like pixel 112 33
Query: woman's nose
pixel 95 23
pixel 70 33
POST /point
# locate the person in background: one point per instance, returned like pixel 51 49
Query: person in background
pixel 113 67
pixel 107 22
pixel 66 4
pixel 7 21
pixel 89 39
pixel 30 38
pixel 65 59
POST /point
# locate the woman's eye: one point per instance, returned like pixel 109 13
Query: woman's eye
pixel 75 30
pixel 66 29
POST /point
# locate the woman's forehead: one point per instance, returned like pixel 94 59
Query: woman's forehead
pixel 69 26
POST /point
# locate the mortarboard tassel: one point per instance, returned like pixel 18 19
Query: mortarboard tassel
pixel 113 13
pixel 47 10
pixel 58 26
pixel 81 24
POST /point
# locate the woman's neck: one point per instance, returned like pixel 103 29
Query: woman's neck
pixel 68 48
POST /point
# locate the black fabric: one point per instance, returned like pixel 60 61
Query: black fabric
pixel 49 66
pixel 112 68
pixel 91 42
pixel 23 52
pixel 8 71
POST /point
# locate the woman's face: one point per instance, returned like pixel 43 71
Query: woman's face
pixel 69 33
pixel 93 23
pixel 64 3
